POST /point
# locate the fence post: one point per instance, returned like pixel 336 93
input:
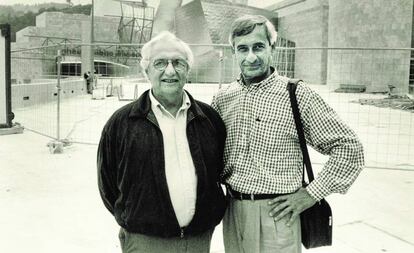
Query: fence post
pixel 221 57
pixel 286 59
pixel 6 114
pixel 59 89
pixel 56 146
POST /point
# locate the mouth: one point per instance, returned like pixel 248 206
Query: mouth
pixel 252 66
pixel 169 80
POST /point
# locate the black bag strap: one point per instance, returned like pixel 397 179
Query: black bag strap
pixel 291 87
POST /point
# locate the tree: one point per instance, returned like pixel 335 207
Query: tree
pixel 19 19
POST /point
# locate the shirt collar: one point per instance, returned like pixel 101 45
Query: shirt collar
pixel 142 106
pixel 263 84
pixel 155 104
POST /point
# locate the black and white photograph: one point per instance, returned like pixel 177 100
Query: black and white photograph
pixel 207 126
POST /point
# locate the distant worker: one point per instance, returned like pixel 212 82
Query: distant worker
pixel 95 79
pixel 88 78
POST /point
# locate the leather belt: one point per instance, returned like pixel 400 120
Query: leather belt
pixel 245 196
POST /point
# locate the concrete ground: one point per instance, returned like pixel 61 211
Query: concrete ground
pixel 50 203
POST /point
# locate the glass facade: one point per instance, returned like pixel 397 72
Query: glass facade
pixel 102 68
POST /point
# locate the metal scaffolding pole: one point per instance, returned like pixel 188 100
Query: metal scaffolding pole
pixel 56 146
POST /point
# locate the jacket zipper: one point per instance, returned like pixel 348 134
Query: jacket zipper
pixel 157 126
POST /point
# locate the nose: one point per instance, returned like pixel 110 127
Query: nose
pixel 169 70
pixel 251 57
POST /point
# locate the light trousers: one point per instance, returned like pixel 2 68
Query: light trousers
pixel 137 243
pixel 248 228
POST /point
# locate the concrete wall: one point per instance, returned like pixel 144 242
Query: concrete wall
pixel 60 24
pixel 34 64
pixel 370 23
pixel 24 36
pixel 29 65
pixel 220 16
pixel 308 28
pixel 288 7
pixel 347 24
pixel 69 26
pixel 39 93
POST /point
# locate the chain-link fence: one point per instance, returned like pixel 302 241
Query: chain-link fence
pixel 369 88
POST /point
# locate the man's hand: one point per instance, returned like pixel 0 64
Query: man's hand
pixel 291 204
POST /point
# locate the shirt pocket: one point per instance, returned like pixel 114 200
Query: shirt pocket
pixel 271 137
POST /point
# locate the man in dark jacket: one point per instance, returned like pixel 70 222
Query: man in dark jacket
pixel 88 79
pixel 160 158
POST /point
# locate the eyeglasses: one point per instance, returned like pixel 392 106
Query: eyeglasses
pixel 178 64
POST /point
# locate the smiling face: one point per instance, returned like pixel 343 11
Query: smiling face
pixel 167 84
pixel 253 53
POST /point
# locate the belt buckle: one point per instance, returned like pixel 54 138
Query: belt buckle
pixel 251 196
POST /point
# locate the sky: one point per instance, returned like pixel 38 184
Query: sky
pixel 257 3
pixel 11 2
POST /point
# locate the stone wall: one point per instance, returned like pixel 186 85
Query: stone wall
pixel 51 28
pixel 308 28
pixel 373 24
pixel 58 24
pixel 349 24
pixel 69 26
pixel 220 16
pixel 29 65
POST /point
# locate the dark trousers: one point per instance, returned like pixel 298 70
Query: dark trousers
pixel 137 243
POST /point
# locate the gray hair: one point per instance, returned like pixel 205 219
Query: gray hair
pixel 245 25
pixel 163 37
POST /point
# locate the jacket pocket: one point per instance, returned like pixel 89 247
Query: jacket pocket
pixel 220 202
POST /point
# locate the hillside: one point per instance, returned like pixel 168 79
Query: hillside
pixel 24 8
pixel 20 16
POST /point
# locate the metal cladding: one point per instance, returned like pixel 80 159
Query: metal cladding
pixel 209 22
pixel 164 18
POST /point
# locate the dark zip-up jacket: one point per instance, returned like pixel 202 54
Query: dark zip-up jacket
pixel 131 170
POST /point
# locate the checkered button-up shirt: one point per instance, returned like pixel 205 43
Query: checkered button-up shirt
pixel 262 152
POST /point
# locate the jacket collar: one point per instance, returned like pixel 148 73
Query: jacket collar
pixel 142 107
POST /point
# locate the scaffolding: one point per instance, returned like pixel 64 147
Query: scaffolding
pixel 284 59
pixel 136 21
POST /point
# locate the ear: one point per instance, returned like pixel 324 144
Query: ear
pixel 273 47
pixel 187 75
pixel 145 72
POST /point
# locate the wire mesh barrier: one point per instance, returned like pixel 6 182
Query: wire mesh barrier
pixel 369 88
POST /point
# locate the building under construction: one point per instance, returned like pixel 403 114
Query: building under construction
pixel 320 24
pixel 113 35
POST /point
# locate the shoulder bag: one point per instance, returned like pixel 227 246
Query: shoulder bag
pixel 316 221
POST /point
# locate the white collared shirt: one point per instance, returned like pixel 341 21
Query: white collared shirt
pixel 179 166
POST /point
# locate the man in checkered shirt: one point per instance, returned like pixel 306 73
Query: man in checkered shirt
pixel 263 159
